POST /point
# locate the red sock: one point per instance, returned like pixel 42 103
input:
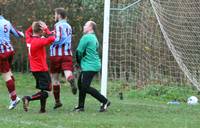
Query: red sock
pixel 11 89
pixel 36 96
pixel 56 92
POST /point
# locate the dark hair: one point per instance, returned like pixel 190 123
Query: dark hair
pixel 36 27
pixel 94 25
pixel 62 12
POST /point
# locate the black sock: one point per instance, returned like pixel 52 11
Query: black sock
pixel 43 101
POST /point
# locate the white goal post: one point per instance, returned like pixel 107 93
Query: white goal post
pixel 104 76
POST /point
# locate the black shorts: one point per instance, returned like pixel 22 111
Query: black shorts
pixel 43 80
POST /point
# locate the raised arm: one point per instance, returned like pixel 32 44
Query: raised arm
pixel 47 31
pixel 29 33
pixel 42 42
pixel 45 28
pixel 15 32
pixel 48 41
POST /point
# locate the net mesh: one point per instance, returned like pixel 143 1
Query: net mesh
pixel 179 23
pixel 155 41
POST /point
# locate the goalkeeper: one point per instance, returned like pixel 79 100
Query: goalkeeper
pixel 88 58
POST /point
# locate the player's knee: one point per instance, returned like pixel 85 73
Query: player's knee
pixel 45 94
pixel 55 82
pixel 68 74
pixel 6 76
pixel 84 88
pixel 58 83
pixel 54 76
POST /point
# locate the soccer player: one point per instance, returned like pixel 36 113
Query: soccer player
pixel 88 58
pixel 6 57
pixel 36 44
pixel 61 55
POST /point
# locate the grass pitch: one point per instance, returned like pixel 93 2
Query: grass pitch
pixel 127 113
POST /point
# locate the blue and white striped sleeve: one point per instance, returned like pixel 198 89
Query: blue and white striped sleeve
pixel 15 32
pixel 58 30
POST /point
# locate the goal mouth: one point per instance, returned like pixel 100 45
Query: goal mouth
pixel 155 41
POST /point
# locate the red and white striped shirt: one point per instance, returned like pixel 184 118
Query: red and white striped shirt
pixel 5 29
pixel 62 44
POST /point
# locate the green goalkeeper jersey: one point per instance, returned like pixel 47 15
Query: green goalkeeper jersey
pixel 87 53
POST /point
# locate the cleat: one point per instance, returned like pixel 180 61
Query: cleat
pixel 73 86
pixel 105 106
pixel 42 111
pixel 78 109
pixel 57 105
pixel 13 104
pixel 25 103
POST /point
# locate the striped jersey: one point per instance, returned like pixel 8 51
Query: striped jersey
pixel 62 43
pixel 5 29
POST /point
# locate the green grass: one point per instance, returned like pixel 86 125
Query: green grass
pixel 132 112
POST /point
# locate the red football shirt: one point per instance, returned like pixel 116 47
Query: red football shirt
pixel 37 50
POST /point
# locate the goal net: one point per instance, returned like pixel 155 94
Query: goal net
pixel 155 41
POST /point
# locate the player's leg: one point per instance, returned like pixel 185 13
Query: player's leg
pixel 43 101
pixel 55 67
pixel 82 96
pixel 37 96
pixel 67 67
pixel 56 89
pixel 45 85
pixel 43 82
pixel 10 60
pixel 11 75
pixel 10 84
pixel 71 79
pixel 95 93
pixel 86 82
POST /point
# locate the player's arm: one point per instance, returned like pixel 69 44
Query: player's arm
pixel 29 33
pixel 49 40
pixel 45 28
pixel 81 49
pixel 47 31
pixel 15 32
pixel 58 34
pixel 45 41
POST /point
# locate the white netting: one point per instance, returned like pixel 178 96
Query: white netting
pixel 155 41
pixel 179 22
